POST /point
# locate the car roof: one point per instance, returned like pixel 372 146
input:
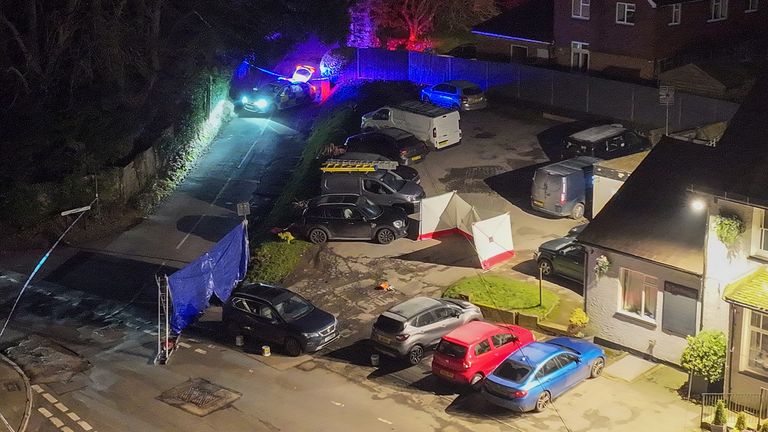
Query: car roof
pixel 598 133
pixel 269 293
pixel 328 199
pixel 375 174
pixel 462 83
pixel 534 353
pixel 395 133
pixel 570 166
pixel 412 307
pixel 472 332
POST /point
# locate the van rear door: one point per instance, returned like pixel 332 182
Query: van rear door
pixel 445 130
pixel 546 190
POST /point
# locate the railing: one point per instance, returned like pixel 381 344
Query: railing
pixel 753 405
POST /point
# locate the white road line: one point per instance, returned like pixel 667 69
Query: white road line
pixel 384 421
pixel 200 219
pixel 44 412
pixel 84 424
pixel 37 388
pixel 73 416
pixel 56 422
pixel 63 408
pixel 50 398
pixel 200 351
pixel 337 403
pixel 67 429
pixel 248 152
pixel 184 345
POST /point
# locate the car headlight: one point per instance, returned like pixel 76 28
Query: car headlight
pixel 262 103
pixel 244 99
pixel 311 335
pixel 398 224
pixel 413 198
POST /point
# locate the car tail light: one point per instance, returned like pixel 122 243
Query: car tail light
pixel 466 364
pixel 402 337
pixel 434 132
pixel 519 394
pixel 562 194
pixel 403 153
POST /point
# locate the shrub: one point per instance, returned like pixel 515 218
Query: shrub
pixel 764 427
pixel 335 61
pixel 741 421
pixel 705 355
pixel 728 228
pixel 719 418
pixel 578 318
pixel 272 261
pixel 602 265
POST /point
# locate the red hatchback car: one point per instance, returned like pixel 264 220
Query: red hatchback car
pixel 472 351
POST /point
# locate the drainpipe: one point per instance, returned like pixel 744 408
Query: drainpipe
pixel 704 269
pixel 729 352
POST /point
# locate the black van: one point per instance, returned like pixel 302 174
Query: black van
pixel 604 142
pixel 563 188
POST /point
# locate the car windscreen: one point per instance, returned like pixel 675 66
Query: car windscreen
pixel 471 91
pixel 293 308
pixel 513 371
pixel 271 89
pixel 390 180
pixel 369 209
pixel 389 325
pixel 452 349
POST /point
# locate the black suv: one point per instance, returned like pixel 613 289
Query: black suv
pixel 395 144
pixel 352 217
pixel 562 257
pixel 277 315
pixel 604 142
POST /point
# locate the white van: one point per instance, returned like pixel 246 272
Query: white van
pixel 435 125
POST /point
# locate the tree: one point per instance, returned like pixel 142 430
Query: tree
pixel 417 17
pixel 705 355
pixel 461 15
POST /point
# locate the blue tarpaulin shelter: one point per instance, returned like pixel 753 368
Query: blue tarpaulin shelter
pixel 215 272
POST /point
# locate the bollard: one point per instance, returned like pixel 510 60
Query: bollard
pixel 265 351
pixel 239 340
pixel 375 360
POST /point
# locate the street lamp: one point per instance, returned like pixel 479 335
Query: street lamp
pixel 697 204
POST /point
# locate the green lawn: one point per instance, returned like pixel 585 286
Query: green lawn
pixel 500 292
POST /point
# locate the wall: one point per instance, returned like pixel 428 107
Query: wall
pixel 604 189
pixel 613 99
pixel 603 298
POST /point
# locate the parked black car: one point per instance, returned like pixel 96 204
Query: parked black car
pixel 392 143
pixel 604 142
pixel 352 217
pixel 561 257
pixel 276 315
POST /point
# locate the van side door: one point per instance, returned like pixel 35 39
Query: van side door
pixel 377 191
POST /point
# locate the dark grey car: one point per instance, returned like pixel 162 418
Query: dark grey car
pixel 381 187
pixel 409 328
pixel 561 257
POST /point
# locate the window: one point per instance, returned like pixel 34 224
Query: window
pixel 638 294
pixel 757 351
pixel 625 13
pixel 502 339
pixel 580 9
pixel 615 143
pixel 751 6
pixel 425 319
pixel 444 88
pixel 373 186
pixel 241 304
pixel 677 10
pixel 519 52
pixel 566 359
pixel 760 238
pixel 679 309
pixel 579 55
pixel 549 367
pixel 718 10
pixel 443 313
pixel 482 348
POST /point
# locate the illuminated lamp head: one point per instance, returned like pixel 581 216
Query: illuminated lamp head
pixel 261 103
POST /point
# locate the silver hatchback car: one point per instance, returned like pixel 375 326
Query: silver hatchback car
pixel 409 328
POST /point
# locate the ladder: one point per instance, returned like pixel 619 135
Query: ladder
pixel 165 344
pixel 342 165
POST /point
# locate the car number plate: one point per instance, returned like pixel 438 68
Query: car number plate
pixel 383 339
pixel 446 374
pixel 538 203
pixel 415 158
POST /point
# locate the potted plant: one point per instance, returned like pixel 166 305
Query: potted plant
pixel 602 265
pixel 764 427
pixel 741 421
pixel 577 321
pixel 719 420
pixel 729 227
pixel 704 357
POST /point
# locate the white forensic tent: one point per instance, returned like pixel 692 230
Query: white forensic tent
pixel 448 213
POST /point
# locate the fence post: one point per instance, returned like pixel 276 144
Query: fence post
pixel 357 59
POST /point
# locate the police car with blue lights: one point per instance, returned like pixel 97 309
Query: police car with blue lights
pixel 282 94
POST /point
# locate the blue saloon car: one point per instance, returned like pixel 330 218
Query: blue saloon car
pixel 539 372
pixel 457 94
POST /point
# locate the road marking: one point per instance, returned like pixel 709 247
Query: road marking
pixel 56 422
pixel 248 152
pixel 73 416
pixel 184 345
pixel 44 412
pixel 50 398
pixel 84 424
pixel 37 388
pixel 67 429
pixel 200 351
pixel 384 421
pixel 337 403
pixel 61 407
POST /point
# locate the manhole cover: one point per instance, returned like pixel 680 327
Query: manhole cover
pixel 199 397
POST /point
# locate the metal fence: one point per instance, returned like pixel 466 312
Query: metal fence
pixel 619 100
pixel 753 405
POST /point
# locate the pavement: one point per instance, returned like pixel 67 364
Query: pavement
pixel 15 395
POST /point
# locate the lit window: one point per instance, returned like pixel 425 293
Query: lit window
pixel 751 6
pixel 757 351
pixel 625 13
pixel 719 10
pixel 638 293
pixel 580 9
pixel 676 12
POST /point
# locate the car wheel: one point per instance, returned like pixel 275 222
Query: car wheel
pixel 318 236
pixel 385 236
pixel 543 401
pixel 415 355
pixel 578 211
pixel 292 347
pixel 597 368
pixel 545 267
pixel 476 381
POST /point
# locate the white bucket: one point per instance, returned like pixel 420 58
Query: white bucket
pixel 374 359
pixel 239 340
pixel 265 351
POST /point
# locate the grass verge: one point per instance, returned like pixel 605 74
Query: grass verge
pixel 272 261
pixel 504 293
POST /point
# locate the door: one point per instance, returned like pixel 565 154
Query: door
pixel 571 369
pixel 443 321
pixel 580 56
pixel 485 357
pixel 504 345
pixel 611 148
pixel 381 118
pixel 378 192
pixel 570 262
pixel 259 319
pixel 550 378
pixel 350 223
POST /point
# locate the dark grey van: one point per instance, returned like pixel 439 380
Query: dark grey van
pixel 382 187
pixel 563 188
